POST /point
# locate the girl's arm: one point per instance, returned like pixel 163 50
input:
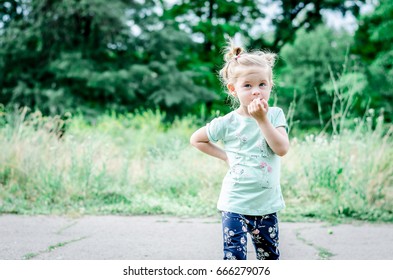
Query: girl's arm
pixel 277 138
pixel 200 141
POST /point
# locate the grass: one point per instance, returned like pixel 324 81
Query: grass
pixel 128 164
pixel 348 175
pixel 134 164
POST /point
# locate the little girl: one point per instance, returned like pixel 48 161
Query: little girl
pixel 254 136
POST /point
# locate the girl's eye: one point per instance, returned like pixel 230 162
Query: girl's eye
pixel 262 85
pixel 247 85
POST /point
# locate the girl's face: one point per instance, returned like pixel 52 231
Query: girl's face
pixel 253 82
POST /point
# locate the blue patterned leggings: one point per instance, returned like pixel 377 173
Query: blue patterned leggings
pixel 263 231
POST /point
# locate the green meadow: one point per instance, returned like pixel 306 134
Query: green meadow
pixel 137 164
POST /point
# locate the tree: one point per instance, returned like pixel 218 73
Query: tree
pixel 59 55
pixel 56 54
pixel 123 55
pixel 374 43
pixel 313 63
pixel 296 15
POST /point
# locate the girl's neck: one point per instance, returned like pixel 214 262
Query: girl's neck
pixel 242 111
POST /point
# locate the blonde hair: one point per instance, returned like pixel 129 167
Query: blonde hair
pixel 236 57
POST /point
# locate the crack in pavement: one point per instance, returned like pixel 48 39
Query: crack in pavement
pixel 51 248
pixel 61 230
pixel 323 253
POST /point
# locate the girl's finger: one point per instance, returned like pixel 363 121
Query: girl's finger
pixel 264 104
pixel 260 103
pixel 251 108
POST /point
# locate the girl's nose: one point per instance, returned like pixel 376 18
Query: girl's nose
pixel 256 91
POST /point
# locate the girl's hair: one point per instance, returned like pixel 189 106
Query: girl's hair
pixel 236 57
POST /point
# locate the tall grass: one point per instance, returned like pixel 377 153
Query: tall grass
pixel 135 164
pixel 345 175
pixel 122 164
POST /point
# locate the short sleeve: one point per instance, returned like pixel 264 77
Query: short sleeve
pixel 278 118
pixel 216 129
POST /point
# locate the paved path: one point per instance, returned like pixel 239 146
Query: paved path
pixel 166 238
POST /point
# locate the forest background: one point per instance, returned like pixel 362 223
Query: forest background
pixel 98 100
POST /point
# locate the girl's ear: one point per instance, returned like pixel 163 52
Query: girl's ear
pixel 231 88
pixel 271 84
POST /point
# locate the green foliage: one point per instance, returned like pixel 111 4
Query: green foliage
pixel 82 55
pixel 302 14
pixel 211 21
pixel 320 71
pixel 374 43
pixel 96 56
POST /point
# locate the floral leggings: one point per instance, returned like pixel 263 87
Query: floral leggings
pixel 263 231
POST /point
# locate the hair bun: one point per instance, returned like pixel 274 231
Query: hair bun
pixel 270 58
pixel 232 51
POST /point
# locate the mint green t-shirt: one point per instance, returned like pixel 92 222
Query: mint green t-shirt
pixel 252 183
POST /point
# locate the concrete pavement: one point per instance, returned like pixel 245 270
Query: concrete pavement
pixel 167 238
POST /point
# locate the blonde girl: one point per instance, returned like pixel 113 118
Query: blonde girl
pixel 254 137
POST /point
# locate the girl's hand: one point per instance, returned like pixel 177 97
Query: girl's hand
pixel 258 109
